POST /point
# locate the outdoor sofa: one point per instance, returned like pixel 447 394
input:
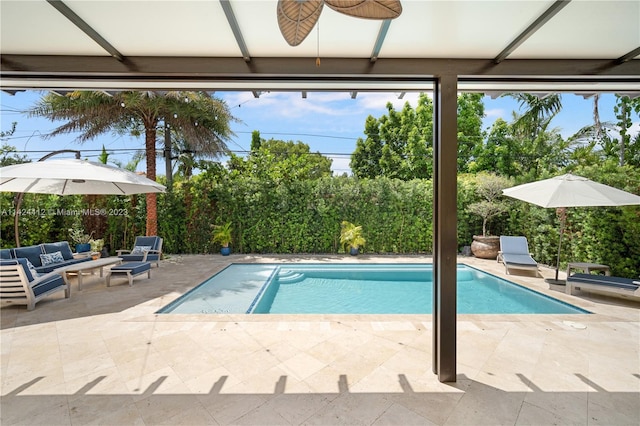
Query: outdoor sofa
pixel 626 288
pixel 20 285
pixel 44 257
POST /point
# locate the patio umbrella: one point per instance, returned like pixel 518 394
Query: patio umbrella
pixel 70 176
pixel 570 191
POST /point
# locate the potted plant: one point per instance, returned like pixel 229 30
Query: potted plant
pixel 489 186
pixel 351 236
pixel 222 235
pixel 96 247
pixel 80 239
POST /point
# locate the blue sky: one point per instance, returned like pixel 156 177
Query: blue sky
pixel 330 122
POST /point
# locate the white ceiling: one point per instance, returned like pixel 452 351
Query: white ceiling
pixel 191 43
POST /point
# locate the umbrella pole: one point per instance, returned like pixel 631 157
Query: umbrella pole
pixel 559 249
pixel 563 218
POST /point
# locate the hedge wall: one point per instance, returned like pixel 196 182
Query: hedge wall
pixel 305 216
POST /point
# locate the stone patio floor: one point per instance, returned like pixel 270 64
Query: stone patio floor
pixel 104 357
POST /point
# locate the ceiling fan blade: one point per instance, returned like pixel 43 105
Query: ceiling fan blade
pixel 297 18
pixel 368 9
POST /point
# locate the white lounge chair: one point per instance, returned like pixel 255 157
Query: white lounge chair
pixel 626 288
pixel 514 253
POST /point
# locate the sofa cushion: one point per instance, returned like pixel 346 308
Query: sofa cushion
pixel 51 258
pixel 54 266
pixel 30 252
pixel 20 261
pixel 6 254
pixel 138 257
pixel 48 284
pixel 603 280
pixel 135 267
pixel 148 241
pixel 32 269
pixel 61 246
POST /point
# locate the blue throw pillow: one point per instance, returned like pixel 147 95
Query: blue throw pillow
pixel 51 258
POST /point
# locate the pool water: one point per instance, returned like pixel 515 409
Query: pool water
pixel 356 289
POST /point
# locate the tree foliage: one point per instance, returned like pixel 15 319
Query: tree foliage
pixel 9 154
pixel 399 144
pixel 199 118
pixel 280 161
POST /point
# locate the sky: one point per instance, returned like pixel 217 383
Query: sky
pixel 329 122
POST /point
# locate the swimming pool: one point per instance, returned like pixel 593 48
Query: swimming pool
pixel 356 289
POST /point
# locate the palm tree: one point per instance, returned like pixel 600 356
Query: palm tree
pixel 539 110
pixel 200 118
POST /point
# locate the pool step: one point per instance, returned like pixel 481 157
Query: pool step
pixel 287 276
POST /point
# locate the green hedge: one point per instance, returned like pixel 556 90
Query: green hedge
pixel 305 216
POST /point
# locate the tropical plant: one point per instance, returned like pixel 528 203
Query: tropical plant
pixel 199 117
pixel 96 245
pixel 351 235
pixel 222 234
pixel 538 111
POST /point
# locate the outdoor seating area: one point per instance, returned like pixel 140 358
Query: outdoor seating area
pixel 113 360
pixel 32 273
pixel 45 257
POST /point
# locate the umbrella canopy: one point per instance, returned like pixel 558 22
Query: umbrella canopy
pixel 70 176
pixel 571 191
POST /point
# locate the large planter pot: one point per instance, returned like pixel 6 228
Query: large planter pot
pixel 485 247
pixel 354 251
pixel 83 248
pixel 225 251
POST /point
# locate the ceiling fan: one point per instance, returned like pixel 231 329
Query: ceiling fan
pixel 296 18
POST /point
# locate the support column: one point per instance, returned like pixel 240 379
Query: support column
pixel 445 239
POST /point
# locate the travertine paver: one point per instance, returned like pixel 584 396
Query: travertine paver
pixel 104 357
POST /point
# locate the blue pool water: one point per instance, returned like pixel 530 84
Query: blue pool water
pixel 356 289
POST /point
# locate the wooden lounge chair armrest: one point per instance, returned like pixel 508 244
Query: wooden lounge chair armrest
pixel 146 253
pixel 121 251
pixel 58 271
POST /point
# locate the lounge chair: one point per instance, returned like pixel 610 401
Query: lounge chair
pixel 514 253
pixel 20 285
pixel 626 288
pixel 145 249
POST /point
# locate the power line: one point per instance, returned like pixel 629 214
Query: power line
pixel 304 134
